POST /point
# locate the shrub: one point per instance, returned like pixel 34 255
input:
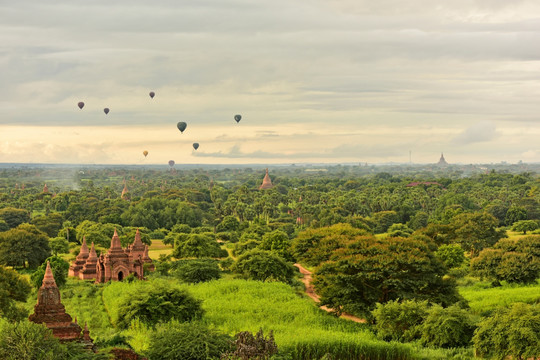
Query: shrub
pixel 13 288
pixel 248 346
pixel 157 302
pixel 188 341
pixel 263 265
pixel 451 255
pixel 244 246
pixel 401 321
pixel 447 327
pixel 198 270
pixel 510 333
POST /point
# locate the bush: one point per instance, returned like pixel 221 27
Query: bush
pixel 400 321
pixel 198 270
pixel 244 246
pixel 510 333
pixel 157 302
pixel 13 289
pixel 248 346
pixel 189 341
pixel 263 265
pixel 451 255
pixel 447 327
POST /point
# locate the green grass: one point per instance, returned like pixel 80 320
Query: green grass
pixel 158 248
pixel 483 298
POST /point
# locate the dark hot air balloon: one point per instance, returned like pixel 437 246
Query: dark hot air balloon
pixel 152 94
pixel 195 146
pixel 181 126
pixel 145 153
pixel 106 111
pixel 171 163
pixel 80 105
pixel 237 118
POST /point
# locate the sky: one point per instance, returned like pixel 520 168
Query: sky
pixel 337 81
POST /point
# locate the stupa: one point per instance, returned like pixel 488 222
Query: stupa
pixel 267 183
pixel 50 311
pixel 442 161
pixel 124 191
pixel 89 269
pixel 80 260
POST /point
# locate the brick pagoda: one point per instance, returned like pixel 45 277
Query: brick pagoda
pixel 267 183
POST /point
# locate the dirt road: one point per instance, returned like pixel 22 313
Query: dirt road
pixel 310 291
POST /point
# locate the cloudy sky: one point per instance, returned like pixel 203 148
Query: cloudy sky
pixel 316 81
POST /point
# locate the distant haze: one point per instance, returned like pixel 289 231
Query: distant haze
pixel 315 81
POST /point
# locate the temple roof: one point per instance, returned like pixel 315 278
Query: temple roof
pixel 84 247
pixel 48 279
pixel 115 241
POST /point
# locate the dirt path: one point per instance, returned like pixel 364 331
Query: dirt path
pixel 310 291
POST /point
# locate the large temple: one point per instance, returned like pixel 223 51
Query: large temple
pixel 442 161
pixel 115 265
pixel 267 183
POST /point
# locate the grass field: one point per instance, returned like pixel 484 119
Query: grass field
pixel 159 248
pixel 483 298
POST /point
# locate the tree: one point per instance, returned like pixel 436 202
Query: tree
pixel 515 213
pixel 278 242
pixel 59 269
pixel 59 245
pixel 447 327
pixel 229 223
pixel 157 302
pixel 23 244
pixel 525 225
pixel 368 270
pixel 97 233
pixel 263 265
pixel 476 231
pixel 50 224
pixel 14 217
pixel 314 246
pixel 512 261
pixel 451 255
pixel 197 270
pixel 13 289
pixel 400 321
pixel 383 220
pixel 28 341
pixel 197 245
pixel 512 332
pixel 197 342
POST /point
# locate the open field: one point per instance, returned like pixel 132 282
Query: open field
pixel 159 248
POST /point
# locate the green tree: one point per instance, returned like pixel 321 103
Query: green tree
pixel 229 223
pixel 198 342
pixel 515 213
pixel 50 224
pixel 400 321
pixel 197 245
pixel 263 265
pixel 278 242
pixel 28 341
pixel 14 217
pixel 197 270
pixel 451 255
pixel 369 270
pixel 447 327
pixel 23 244
pixel 525 225
pixel 159 302
pixel 476 231
pixel 512 332
pixel 13 289
pixel 59 245
pixel 383 220
pixel 59 269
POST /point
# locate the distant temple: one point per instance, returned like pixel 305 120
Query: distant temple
pixel 267 183
pixel 442 161
pixel 45 189
pixel 116 265
pixel 50 311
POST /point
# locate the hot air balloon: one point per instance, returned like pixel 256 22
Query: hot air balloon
pixel 171 163
pixel 181 126
pixel 145 153
pixel 237 118
pixel 152 94
pixel 80 105
pixel 195 146
pixel 106 111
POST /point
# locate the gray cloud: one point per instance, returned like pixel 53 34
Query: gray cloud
pixel 479 132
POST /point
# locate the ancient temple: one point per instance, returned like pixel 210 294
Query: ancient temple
pixel 124 191
pixel 80 260
pixel 45 189
pixel 50 311
pixel 442 161
pixel 89 269
pixel 267 183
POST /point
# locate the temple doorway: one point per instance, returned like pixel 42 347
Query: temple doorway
pixel 120 276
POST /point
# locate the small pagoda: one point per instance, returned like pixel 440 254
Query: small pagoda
pixel 80 260
pixel 50 311
pixel 267 183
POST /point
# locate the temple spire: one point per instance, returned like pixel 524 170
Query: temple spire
pixel 84 247
pixel 48 279
pixel 115 241
pixel 138 241
pixel 267 182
